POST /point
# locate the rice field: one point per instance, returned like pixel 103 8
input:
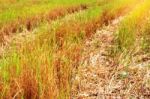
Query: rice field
pixel 50 48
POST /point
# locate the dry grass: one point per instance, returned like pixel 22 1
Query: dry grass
pixel 43 67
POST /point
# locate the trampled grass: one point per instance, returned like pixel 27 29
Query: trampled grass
pixel 41 65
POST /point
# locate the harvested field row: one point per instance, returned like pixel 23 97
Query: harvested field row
pixel 102 74
pixel 31 23
pixel 43 65
pixel 56 46
pixel 20 9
